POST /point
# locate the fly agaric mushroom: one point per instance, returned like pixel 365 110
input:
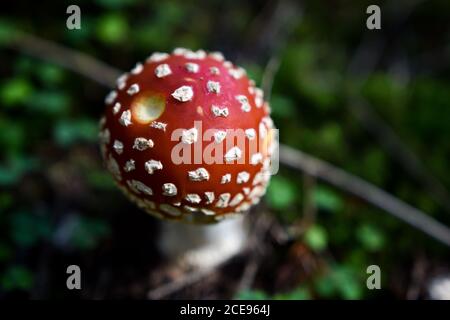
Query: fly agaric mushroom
pixel 183 105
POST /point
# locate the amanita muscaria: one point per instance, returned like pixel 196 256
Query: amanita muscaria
pixel 188 136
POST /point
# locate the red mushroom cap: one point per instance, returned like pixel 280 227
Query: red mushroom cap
pixel 187 136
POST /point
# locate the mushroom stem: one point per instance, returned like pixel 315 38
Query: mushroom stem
pixel 203 246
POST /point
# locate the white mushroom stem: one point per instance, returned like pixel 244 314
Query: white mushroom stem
pixel 203 246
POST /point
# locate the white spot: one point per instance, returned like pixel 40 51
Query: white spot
pixel 259 97
pixel 219 136
pixel 193 198
pixel 129 165
pixel 209 197
pixel 245 106
pixel 111 97
pixel 243 207
pixel 228 64
pixel 233 154
pixel 142 144
pixel 258 102
pixel 137 68
pixel 167 208
pixel 158 125
pixel 152 165
pixel 189 136
pixel 190 209
pixel 257 192
pixel 125 118
pixel 226 178
pixel 180 51
pixel 169 189
pixel 268 121
pixel 122 81
pixel 113 167
pixel 222 202
pixel 237 73
pixel 262 130
pixel 200 174
pixel 259 177
pixel 162 70
pixel 133 89
pixel 102 122
pixel 157 57
pixel 214 70
pixel 250 133
pixel 183 93
pixel 199 54
pixel 149 204
pixel 220 112
pixel 177 204
pixel 246 190
pixel 208 212
pixel 256 158
pixel 237 199
pixel 118 146
pixel 116 107
pixel 218 56
pixel 213 86
pixel 139 187
pixel 242 177
pixel 251 90
pixel 105 136
pixel 192 67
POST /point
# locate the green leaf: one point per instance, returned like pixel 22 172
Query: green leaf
pixel 112 28
pixel 50 74
pixel 17 277
pixel 370 237
pixel 101 179
pixel 6 199
pixel 324 286
pixel 116 4
pixel 7 31
pixel 347 283
pixel 252 295
pixel 282 106
pixel 15 91
pixel 28 228
pixel 88 232
pixel 281 193
pixel 297 294
pixel 15 139
pixel 5 252
pixel 316 237
pixel 15 168
pixel 68 132
pixel 49 102
pixel 327 199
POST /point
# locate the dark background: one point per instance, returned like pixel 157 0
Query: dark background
pixel 374 103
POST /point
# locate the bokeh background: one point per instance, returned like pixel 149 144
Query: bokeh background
pixel 374 103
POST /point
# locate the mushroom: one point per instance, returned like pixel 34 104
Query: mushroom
pixel 188 137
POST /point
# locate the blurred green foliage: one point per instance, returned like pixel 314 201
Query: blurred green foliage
pixel 50 166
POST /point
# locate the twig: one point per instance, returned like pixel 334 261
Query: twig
pixel 361 65
pixel 76 61
pixel 366 191
pixel 180 283
pixel 268 76
pixel 395 147
pixel 288 156
pixel 270 29
pixel 256 250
